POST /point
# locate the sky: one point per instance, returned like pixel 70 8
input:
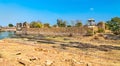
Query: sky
pixel 48 11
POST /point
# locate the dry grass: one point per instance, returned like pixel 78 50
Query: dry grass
pixel 1 56
pixel 62 53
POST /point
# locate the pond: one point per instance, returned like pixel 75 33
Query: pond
pixel 6 34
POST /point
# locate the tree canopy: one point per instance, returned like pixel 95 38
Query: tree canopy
pixel 35 24
pixel 47 25
pixel 61 23
pixel 10 25
pixel 78 23
pixel 114 25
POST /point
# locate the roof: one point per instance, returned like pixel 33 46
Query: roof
pixel 91 19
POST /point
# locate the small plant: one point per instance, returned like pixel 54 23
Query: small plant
pixel 101 30
pixel 90 32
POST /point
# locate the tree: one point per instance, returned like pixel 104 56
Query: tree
pixel 69 26
pixel 78 23
pixel 10 25
pixel 106 26
pixel 35 24
pixel 114 25
pixel 54 25
pixel 61 23
pixel 115 19
pixel 47 25
pixel 0 27
pixel 72 23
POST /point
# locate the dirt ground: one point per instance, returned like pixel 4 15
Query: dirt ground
pixel 60 51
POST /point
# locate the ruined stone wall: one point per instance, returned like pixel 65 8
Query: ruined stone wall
pixel 8 29
pixel 55 31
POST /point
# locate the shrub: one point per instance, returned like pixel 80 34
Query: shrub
pixel 101 30
pixel 90 32
pixel 35 24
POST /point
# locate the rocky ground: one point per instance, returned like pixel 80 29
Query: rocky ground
pixel 60 51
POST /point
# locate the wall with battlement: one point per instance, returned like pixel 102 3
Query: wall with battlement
pixel 62 31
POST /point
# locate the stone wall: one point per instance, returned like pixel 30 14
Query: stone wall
pixel 8 29
pixel 54 31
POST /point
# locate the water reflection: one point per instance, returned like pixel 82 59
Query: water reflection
pixel 6 35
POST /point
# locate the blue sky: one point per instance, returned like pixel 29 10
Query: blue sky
pixel 48 11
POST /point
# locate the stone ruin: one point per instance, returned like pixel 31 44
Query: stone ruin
pixel 19 26
pixel 24 28
pixel 92 25
pixel 101 25
pixel 26 25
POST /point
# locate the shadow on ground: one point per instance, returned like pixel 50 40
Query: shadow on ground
pixel 88 46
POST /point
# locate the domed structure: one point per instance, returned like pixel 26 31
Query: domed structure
pixel 91 22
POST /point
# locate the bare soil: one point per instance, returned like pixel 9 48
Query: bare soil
pixel 60 51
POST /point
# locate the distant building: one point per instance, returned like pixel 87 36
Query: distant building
pixel 92 25
pixel 26 25
pixel 91 22
pixel 19 26
pixel 101 25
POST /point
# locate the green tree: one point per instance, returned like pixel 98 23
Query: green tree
pixel 54 25
pixel 114 25
pixel 35 24
pixel 115 19
pixel 61 23
pixel 101 30
pixel 106 26
pixel 69 26
pixel 78 23
pixel 47 25
pixel 72 23
pixel 10 25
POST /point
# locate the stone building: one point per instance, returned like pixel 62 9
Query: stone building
pixel 26 25
pixel 92 28
pixel 95 27
pixel 91 22
pixel 19 26
pixel 101 25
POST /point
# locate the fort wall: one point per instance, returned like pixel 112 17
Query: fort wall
pixel 61 31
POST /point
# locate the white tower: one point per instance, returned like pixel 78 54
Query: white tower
pixel 91 22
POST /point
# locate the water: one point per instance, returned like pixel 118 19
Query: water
pixel 6 35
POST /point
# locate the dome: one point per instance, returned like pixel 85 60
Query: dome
pixel 91 19
pixel 91 22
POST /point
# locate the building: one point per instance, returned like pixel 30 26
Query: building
pixel 101 25
pixel 19 26
pixel 26 25
pixel 91 26
pixel 91 22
